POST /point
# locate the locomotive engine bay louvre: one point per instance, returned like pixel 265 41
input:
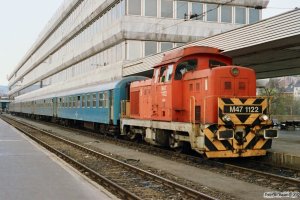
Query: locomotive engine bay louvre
pixel 198 99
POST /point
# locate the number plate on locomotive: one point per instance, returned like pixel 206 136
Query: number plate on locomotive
pixel 242 109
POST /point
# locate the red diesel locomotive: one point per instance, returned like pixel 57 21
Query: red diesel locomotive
pixel 198 99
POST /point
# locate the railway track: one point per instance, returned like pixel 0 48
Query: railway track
pixel 124 180
pixel 276 178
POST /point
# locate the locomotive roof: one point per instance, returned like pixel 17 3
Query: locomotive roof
pixel 175 55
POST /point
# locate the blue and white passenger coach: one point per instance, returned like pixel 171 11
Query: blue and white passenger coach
pixel 92 105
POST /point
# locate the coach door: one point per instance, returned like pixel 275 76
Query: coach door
pixel 111 104
pixel 54 106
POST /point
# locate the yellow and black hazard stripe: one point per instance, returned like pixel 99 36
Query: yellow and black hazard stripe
pixel 212 143
pixel 251 141
pixel 244 110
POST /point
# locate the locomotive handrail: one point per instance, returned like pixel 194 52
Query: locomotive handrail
pixel 192 109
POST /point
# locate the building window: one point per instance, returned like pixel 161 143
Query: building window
pixel 212 12
pixel 134 49
pixel 182 9
pixel 197 11
pixel 240 15
pixel 134 7
pixel 253 15
pixel 151 8
pixel 150 47
pixel 167 8
pixel 226 14
pixel 166 46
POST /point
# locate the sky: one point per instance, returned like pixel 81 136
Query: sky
pixel 22 20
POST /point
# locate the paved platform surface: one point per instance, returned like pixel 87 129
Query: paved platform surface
pixel 287 142
pixel 214 181
pixel 28 172
pixel 286 149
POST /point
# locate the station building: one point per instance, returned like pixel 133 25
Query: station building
pixel 89 41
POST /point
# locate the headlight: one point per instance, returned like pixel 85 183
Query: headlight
pixel 226 118
pixel 235 71
pixel 263 118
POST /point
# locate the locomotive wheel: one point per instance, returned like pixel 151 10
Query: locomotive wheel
pixel 183 148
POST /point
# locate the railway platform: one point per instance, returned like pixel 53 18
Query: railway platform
pixel 27 171
pixel 286 149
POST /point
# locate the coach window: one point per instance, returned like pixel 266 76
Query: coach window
pixel 78 101
pixel 88 100
pixel 83 101
pixel 94 100
pixel 183 67
pixel 106 99
pixel 101 99
pixel 70 102
pixel 74 102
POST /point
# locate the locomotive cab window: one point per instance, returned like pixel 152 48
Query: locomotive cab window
pixel 166 73
pixel 156 76
pixel 169 73
pixel 162 74
pixel 183 67
pixel 216 63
